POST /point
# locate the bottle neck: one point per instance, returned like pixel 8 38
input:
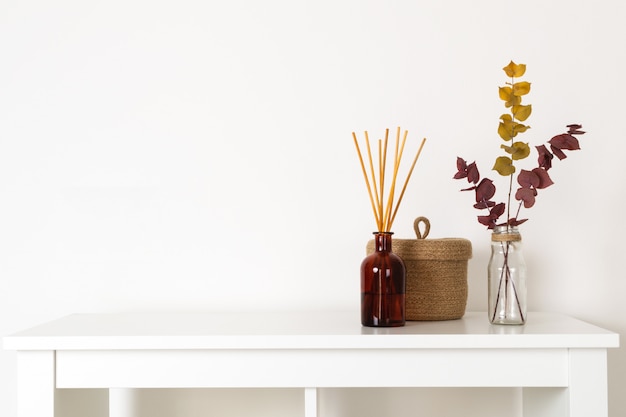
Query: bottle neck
pixel 382 241
pixel 506 234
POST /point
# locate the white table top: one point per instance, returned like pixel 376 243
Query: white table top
pixel 301 330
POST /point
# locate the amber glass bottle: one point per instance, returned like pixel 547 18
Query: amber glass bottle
pixel 383 285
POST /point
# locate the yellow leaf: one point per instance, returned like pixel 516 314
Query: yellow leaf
pixel 505 128
pixel 518 151
pixel 519 128
pixel 508 128
pixel 504 133
pixel 522 113
pixel 505 92
pixel 504 166
pixel 510 99
pixel 521 88
pixel 515 70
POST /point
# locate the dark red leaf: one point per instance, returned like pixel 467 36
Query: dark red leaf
pixel 514 222
pixel 545 157
pixel 485 190
pixel 494 214
pixel 484 204
pixel 565 141
pixel 558 152
pixel 528 179
pixel 487 221
pixel 472 173
pixel 527 195
pixel 498 210
pixel 466 171
pixel 574 129
pixel 461 167
pixel 544 178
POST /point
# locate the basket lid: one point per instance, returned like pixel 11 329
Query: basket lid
pixel 431 249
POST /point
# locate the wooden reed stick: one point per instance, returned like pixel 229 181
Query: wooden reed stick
pixel 387 221
pixel 419 151
pixel 383 169
pixel 385 214
pixel 406 132
pixel 369 155
pixel 367 183
pixel 392 191
pixel 381 176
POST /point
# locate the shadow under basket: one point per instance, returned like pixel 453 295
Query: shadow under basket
pixel 436 274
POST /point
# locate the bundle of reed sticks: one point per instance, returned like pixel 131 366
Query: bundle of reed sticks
pixel 385 211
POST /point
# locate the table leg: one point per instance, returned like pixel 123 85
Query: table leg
pixel 121 402
pixel 310 402
pixel 588 384
pixel 585 396
pixel 35 383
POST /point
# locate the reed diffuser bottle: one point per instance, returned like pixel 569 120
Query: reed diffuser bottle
pixel 383 285
pixel 383 274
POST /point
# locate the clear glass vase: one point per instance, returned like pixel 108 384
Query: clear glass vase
pixel 383 285
pixel 507 277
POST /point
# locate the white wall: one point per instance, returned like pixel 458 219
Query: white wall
pixel 197 155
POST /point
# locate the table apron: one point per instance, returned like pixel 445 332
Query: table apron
pixel 312 368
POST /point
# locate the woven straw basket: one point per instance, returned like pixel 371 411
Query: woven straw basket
pixel 436 274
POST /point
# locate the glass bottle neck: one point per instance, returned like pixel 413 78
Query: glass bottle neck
pixel 382 241
pixel 506 234
pixel 503 228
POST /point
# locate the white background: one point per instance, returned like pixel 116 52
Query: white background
pixel 197 155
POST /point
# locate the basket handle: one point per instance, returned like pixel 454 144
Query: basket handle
pixel 416 226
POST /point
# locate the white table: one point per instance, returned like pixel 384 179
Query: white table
pixel 315 350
